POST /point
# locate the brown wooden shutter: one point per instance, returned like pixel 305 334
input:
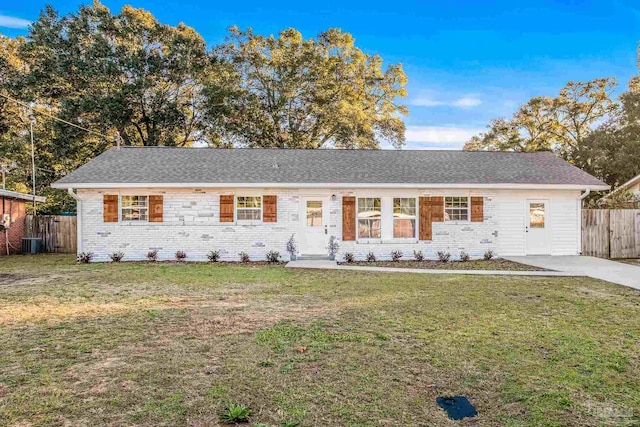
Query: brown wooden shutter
pixel 424 226
pixel 155 208
pixel 226 208
pixel 477 209
pixel 437 209
pixel 110 208
pixel 349 218
pixel 270 208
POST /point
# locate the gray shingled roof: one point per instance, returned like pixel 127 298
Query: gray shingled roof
pixel 164 165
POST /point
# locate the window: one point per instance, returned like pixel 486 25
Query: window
pixel 536 215
pixel 404 218
pixel 456 208
pixel 249 208
pixel 314 213
pixel 134 208
pixel 369 216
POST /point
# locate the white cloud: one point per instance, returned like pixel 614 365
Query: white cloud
pixel 439 136
pixel 467 102
pixel 464 102
pixel 13 22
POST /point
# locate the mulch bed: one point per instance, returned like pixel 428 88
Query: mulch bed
pixel 494 264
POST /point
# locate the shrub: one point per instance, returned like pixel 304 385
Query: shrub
pixel 444 256
pixel 84 257
pixel 233 413
pixel 292 246
pixel 273 256
pixel 213 256
pixel 244 257
pixel 371 257
pixel 152 256
pixel 333 246
pixel 488 255
pixel 181 255
pixel 116 256
pixel 396 255
pixel 418 255
pixel 348 257
pixel 464 257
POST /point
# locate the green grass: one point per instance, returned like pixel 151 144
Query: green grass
pixel 174 344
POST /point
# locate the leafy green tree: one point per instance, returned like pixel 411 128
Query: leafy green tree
pixel 560 124
pixel 288 92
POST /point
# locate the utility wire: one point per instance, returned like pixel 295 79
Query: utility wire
pixel 44 113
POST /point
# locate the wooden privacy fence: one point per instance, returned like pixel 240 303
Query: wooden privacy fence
pixel 58 233
pixel 611 233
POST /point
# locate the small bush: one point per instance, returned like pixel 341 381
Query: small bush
pixel 333 246
pixel 292 246
pixel 116 256
pixel 181 255
pixel 444 256
pixel 488 255
pixel 464 257
pixel 233 413
pixel 348 257
pixel 272 256
pixel 396 255
pixel 418 255
pixel 213 256
pixel 152 256
pixel 371 257
pixel 244 257
pixel 84 257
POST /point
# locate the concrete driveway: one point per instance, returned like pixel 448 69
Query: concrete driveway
pixel 598 268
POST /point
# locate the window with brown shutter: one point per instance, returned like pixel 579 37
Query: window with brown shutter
pixel 110 208
pixel 424 227
pixel 270 208
pixel 437 209
pixel 477 209
pixel 349 218
pixel 226 208
pixel 155 208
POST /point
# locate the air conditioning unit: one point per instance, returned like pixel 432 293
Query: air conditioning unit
pixel 31 245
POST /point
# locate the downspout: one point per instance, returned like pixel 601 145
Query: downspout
pixel 580 199
pixel 78 219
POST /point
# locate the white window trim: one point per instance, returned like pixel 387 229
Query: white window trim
pixel 247 221
pixel 415 218
pixel 456 221
pixel 132 221
pixel 368 239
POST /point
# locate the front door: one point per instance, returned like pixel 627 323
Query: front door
pixel 538 235
pixel 314 218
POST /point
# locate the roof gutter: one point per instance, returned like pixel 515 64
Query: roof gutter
pixel 507 186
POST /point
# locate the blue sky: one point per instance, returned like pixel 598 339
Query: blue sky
pixel 468 61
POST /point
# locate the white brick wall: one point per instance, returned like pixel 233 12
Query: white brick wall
pixel 192 224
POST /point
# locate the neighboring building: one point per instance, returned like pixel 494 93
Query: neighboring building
pixel 137 199
pixel 12 219
pixel 633 185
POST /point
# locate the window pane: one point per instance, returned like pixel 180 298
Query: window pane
pixel 314 213
pixel 134 208
pixel 249 214
pixel 404 208
pixel 249 202
pixel 404 228
pixel 369 207
pixel 456 208
pixel 536 215
pixel 369 228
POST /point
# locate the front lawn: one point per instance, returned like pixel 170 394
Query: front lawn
pixel 172 344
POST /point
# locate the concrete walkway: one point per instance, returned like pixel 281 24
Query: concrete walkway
pixel 598 268
pixel 333 265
